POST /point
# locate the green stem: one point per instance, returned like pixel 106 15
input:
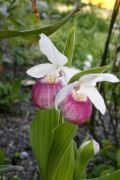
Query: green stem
pixel 61 119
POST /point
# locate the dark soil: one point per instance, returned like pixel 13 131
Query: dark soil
pixel 14 135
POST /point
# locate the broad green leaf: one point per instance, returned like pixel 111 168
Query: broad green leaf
pixel 77 163
pixel 69 46
pixel 89 71
pixel 113 176
pixel 63 136
pixel 67 165
pixel 34 34
pixel 41 136
pixel 83 156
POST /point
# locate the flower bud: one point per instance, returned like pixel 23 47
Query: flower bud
pixel 77 112
pixel 96 145
pixel 44 93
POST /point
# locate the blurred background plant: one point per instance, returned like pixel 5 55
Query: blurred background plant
pixel 110 122
pixel 97 43
pixel 16 54
pixel 4 168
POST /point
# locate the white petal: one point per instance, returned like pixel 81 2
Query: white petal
pixel 98 77
pixel 96 147
pixel 53 55
pixel 69 72
pixel 41 70
pixel 96 99
pixel 63 93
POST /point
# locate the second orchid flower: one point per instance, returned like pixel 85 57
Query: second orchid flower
pixel 75 100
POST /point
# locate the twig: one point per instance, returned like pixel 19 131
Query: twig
pixel 113 20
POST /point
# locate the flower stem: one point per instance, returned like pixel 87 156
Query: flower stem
pixel 61 119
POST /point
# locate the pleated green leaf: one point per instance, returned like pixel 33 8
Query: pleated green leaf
pixel 77 164
pixel 63 136
pixel 67 165
pixel 69 46
pixel 41 137
pixel 34 33
pixel 89 71
pixel 83 156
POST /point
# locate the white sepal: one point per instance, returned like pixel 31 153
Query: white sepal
pixel 92 79
pixel 69 72
pixel 96 99
pixel 41 70
pixel 48 49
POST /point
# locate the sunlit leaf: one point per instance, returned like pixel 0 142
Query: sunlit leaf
pixel 41 136
pixel 89 71
pixel 83 156
pixel 63 136
pixel 67 165
pixel 34 34
pixel 69 46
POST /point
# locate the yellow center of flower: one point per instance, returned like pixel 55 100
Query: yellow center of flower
pixel 53 77
pixel 79 93
pixel 50 79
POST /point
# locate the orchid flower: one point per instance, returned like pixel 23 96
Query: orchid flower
pixel 52 76
pixel 56 68
pixel 75 100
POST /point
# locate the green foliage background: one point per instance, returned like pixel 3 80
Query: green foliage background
pixel 17 55
pixel 91 30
